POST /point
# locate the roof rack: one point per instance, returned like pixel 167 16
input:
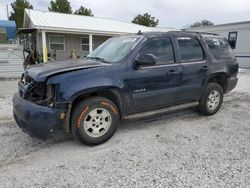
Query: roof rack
pixel 202 33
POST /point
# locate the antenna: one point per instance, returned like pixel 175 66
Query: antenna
pixel 7 8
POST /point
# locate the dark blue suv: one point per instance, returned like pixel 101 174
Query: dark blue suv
pixel 126 77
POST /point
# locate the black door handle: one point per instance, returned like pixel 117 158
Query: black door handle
pixel 173 72
pixel 205 68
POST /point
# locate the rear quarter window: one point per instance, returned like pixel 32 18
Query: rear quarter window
pixel 220 48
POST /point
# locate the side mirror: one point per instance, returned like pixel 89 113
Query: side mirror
pixel 145 60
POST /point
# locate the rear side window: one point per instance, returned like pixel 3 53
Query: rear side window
pixel 190 49
pixel 220 48
pixel 161 48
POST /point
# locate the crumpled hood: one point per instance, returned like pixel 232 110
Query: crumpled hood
pixel 42 71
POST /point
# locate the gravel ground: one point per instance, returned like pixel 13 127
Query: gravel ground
pixel 182 149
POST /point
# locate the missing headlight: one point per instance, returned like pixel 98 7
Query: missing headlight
pixel 43 94
pixel 50 95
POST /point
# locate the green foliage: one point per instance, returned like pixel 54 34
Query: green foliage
pixel 83 11
pixel 18 11
pixel 202 23
pixel 146 20
pixel 3 36
pixel 62 6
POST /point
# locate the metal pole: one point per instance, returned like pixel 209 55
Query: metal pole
pixel 7 8
pixel 45 51
pixel 90 43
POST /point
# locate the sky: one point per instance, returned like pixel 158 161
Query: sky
pixel 171 13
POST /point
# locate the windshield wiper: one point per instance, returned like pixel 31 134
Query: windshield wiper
pixel 98 59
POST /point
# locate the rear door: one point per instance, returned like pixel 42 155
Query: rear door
pixel 155 86
pixel 195 67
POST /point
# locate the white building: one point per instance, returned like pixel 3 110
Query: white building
pixel 238 35
pixel 59 33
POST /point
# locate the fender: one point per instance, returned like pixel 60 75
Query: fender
pixel 91 86
pixel 76 83
pixel 215 74
pixel 116 91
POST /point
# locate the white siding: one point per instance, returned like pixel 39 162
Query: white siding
pixel 72 42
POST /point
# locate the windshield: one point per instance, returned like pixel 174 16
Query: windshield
pixel 115 49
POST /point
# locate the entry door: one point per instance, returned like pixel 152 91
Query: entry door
pixel 155 86
pixel 194 66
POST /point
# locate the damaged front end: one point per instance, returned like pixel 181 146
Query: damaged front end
pixel 37 92
pixel 35 109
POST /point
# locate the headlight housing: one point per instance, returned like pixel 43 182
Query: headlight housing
pixel 50 95
pixel 43 94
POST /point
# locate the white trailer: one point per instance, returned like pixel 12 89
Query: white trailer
pixel 238 35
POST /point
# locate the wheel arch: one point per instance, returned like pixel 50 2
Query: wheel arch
pixel 219 78
pixel 110 92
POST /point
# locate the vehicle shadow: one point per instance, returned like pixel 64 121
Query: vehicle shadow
pixel 143 123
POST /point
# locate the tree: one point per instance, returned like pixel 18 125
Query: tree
pixel 83 11
pixel 202 23
pixel 18 11
pixel 62 6
pixel 146 20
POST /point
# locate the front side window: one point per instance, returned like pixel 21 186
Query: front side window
pixel 161 48
pixel 190 49
pixel 115 49
pixel 219 47
pixel 56 42
pixel 232 38
pixel 85 44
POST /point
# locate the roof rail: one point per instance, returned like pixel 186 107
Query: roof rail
pixel 202 33
pixel 139 32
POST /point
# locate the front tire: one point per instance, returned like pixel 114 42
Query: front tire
pixel 211 100
pixel 94 120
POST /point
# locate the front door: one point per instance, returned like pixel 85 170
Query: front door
pixel 152 87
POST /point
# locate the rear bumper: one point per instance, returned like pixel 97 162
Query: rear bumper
pixel 38 121
pixel 231 83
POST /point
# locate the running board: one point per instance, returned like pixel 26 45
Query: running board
pixel 162 110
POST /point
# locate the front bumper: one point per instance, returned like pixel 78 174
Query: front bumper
pixel 231 83
pixel 38 121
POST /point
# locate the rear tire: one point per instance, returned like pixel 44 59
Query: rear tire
pixel 94 120
pixel 211 100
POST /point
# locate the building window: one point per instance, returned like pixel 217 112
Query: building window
pixel 56 43
pixel 190 49
pixel 85 44
pixel 232 38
